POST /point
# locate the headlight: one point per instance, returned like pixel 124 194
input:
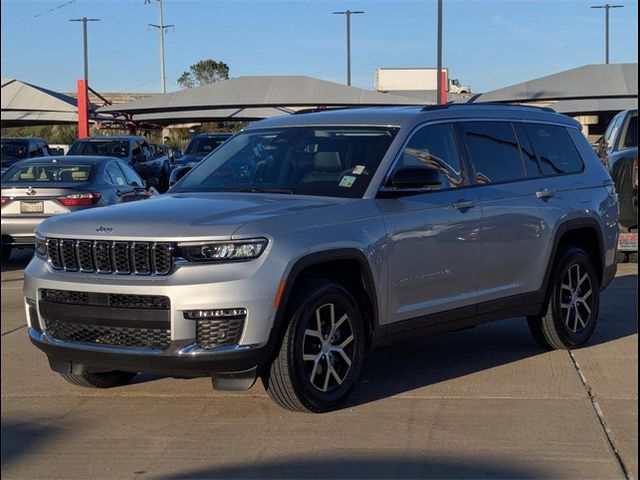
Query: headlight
pixel 224 251
pixel 41 247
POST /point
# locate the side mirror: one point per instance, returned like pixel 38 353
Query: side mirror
pixel 152 182
pixel 414 178
pixel 177 174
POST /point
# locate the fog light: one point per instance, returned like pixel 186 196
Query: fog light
pixel 218 313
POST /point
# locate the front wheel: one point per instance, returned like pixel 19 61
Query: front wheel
pixel 572 312
pixel 322 350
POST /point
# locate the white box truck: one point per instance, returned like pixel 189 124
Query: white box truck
pixel 397 79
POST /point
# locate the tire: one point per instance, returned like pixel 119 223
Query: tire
pixel 115 378
pixel 571 314
pixel 323 316
pixel 6 252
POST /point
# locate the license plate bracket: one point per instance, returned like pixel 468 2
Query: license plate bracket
pixel 32 206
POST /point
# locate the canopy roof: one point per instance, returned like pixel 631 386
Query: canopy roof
pixel 586 82
pixel 25 104
pixel 251 98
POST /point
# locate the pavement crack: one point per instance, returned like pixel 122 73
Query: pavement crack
pixel 600 415
pixel 13 330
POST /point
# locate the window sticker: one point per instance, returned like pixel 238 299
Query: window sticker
pixel 347 181
pixel 358 170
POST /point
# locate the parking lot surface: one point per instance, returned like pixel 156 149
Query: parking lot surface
pixel 481 403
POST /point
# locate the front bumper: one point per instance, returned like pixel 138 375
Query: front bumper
pixel 182 358
pixel 247 286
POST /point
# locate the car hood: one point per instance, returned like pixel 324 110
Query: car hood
pixel 180 216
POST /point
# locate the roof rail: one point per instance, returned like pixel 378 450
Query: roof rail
pixel 503 104
pixel 324 109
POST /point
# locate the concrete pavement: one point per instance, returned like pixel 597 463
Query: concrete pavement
pixel 482 403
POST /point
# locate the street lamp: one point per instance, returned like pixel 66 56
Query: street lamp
pixel 162 27
pixel 84 21
pixel 348 14
pixel 607 7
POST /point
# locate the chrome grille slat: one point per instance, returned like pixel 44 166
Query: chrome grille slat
pixel 110 256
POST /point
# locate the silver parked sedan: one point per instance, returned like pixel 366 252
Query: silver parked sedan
pixel 38 188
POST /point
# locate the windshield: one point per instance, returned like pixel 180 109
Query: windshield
pixel 325 161
pixel 104 148
pixel 13 150
pixel 47 173
pixel 204 144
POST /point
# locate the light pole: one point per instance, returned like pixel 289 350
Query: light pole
pixel 348 14
pixel 84 21
pixel 439 54
pixel 607 7
pixel 161 28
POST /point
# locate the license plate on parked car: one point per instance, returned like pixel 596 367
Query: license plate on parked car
pixel 628 241
pixel 32 207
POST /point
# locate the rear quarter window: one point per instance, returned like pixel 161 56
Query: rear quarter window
pixel 554 148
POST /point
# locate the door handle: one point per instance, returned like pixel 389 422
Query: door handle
pixel 544 194
pixel 463 205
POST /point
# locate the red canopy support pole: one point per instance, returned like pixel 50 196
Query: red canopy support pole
pixel 83 110
pixel 443 92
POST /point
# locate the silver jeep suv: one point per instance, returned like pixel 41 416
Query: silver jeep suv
pixel 307 239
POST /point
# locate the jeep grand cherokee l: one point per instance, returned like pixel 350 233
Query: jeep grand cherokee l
pixel 307 239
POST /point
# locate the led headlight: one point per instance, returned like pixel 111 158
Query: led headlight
pixel 41 246
pixel 224 251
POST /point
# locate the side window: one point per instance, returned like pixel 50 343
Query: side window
pixel 131 176
pixel 115 174
pixel 435 146
pixel 33 149
pixel 494 151
pixel 554 148
pixel 631 135
pixel 611 133
pixel 136 149
pixel 528 155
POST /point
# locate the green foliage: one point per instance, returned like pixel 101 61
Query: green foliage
pixel 203 73
pixel 53 134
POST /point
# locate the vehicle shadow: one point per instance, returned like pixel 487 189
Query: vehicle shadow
pixel 375 465
pixel 20 438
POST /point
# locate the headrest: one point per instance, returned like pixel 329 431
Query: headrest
pixel 80 176
pixel 27 176
pixel 327 162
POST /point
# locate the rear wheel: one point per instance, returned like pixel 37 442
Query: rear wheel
pixel 572 312
pixel 115 378
pixel 322 351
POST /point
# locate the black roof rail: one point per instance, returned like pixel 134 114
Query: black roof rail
pixel 321 109
pixel 503 104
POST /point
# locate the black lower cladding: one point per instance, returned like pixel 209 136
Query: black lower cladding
pixel 135 321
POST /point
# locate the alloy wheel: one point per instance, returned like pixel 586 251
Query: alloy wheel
pixel 576 298
pixel 328 347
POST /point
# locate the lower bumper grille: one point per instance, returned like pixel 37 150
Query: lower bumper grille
pixel 108 335
pixel 115 300
pixel 218 332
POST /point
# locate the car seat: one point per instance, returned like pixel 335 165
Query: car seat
pixel 327 167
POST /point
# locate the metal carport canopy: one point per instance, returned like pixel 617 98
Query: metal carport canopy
pixel 24 104
pixel 247 93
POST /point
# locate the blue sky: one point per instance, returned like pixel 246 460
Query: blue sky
pixel 487 43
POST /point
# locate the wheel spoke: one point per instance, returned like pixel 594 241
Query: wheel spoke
pixel 332 310
pixel 346 341
pixel 586 306
pixel 313 333
pixel 582 280
pixel 579 318
pixel 565 305
pixel 326 378
pixel 335 374
pixel 319 322
pixel 309 358
pixel 567 318
pixel 314 371
pixel 344 356
pixel 342 319
pixel 583 298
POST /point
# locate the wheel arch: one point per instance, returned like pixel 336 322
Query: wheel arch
pixel 330 264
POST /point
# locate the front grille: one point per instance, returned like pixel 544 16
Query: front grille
pixel 108 335
pixel 113 300
pixel 102 256
pixel 217 332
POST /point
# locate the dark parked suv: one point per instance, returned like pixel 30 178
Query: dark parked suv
pixel 619 152
pixel 133 150
pixel 15 149
pixel 305 240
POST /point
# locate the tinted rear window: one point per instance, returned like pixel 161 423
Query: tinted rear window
pixel 631 138
pixel 14 149
pixel 106 148
pixel 554 148
pixel 204 145
pixel 47 173
pixel 494 151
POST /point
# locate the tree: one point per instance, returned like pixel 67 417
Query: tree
pixel 203 73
